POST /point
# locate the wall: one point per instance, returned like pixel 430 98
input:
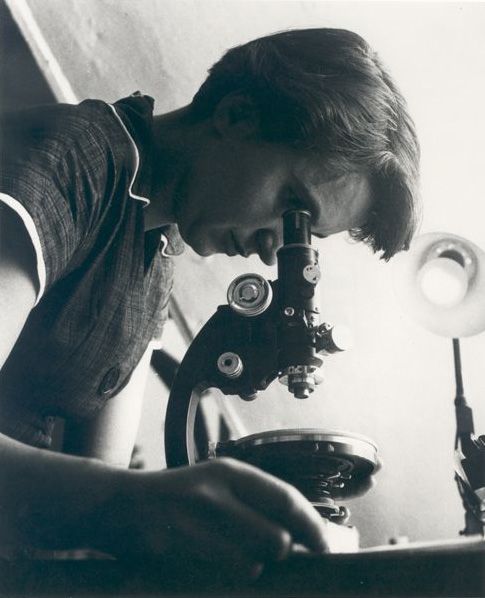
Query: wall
pixel 15 57
pixel 396 385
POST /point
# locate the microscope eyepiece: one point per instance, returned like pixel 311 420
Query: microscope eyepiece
pixel 296 227
pixel 298 275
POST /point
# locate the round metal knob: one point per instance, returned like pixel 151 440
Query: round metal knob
pixel 230 364
pixel 249 294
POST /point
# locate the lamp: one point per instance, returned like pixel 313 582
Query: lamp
pixel 440 283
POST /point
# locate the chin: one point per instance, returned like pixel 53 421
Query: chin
pixel 200 247
pixel 204 252
pixel 202 242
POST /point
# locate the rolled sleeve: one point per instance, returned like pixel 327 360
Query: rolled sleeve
pixel 58 174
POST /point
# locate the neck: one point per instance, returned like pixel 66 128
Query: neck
pixel 176 138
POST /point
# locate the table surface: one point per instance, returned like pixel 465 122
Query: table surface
pixel 454 569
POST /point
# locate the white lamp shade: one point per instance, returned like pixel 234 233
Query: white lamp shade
pixel 440 283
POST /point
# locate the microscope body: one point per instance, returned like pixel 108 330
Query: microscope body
pixel 272 330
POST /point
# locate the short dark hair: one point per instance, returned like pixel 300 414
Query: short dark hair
pixel 326 90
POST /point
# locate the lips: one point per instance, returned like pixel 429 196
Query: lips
pixel 238 246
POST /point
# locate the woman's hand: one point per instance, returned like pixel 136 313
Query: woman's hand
pixel 225 513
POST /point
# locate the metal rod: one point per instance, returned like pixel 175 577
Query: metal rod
pixel 460 394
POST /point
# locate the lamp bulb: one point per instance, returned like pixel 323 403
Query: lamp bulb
pixel 443 281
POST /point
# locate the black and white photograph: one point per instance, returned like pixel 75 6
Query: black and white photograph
pixel 242 298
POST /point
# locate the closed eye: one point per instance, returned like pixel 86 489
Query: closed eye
pixel 295 203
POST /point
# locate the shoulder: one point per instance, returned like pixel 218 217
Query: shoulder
pixel 45 135
pixel 64 167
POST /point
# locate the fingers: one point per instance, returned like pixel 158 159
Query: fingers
pixel 222 563
pixel 279 502
pixel 256 534
pixel 210 525
pixel 232 537
pixel 226 513
pixel 212 514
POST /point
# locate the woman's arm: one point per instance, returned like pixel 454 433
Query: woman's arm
pixel 18 279
pixel 42 494
pixel 226 513
pixel 110 436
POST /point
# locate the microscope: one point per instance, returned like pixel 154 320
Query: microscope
pixel 272 330
pixel 269 330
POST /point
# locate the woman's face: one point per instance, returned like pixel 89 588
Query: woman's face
pixel 234 195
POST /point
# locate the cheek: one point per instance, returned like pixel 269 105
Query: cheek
pixel 234 189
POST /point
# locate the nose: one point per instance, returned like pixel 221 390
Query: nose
pixel 267 242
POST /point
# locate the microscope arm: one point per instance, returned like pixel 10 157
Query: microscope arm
pixel 232 353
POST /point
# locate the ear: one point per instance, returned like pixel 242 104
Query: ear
pixel 237 117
